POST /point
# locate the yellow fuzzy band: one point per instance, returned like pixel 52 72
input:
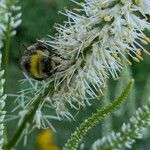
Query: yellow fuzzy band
pixel 36 66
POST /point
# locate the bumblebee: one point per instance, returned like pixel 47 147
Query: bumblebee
pixel 39 63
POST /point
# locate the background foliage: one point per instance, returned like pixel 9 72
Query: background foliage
pixel 38 19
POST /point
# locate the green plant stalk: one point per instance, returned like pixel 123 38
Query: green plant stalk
pixel 7 48
pixel 125 75
pixel 7 39
pixel 107 123
pixel 6 62
pixel 27 120
pixel 81 131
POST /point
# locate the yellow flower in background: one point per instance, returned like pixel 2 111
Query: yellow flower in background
pixel 45 140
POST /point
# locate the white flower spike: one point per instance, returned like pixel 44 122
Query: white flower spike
pixel 95 42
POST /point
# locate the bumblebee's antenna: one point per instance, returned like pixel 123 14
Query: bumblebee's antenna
pixel 26 48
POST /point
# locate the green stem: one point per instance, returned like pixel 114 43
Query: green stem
pixel 107 123
pixel 81 131
pixel 27 120
pixel 7 48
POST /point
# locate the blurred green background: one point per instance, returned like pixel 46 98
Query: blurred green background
pixel 38 18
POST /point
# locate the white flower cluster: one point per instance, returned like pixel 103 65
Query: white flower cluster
pixel 9 18
pixel 94 42
pixel 128 134
pixel 2 104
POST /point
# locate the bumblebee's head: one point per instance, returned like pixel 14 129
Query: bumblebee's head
pixel 36 62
